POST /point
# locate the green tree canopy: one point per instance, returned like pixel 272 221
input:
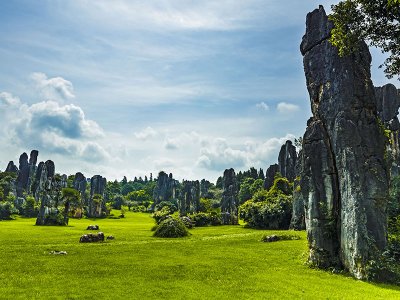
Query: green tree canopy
pixel 377 22
pixel 138 196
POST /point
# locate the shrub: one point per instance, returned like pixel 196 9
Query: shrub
pixel 281 186
pixel 171 228
pixel 215 219
pixel 206 205
pixel 139 208
pixel 173 207
pixel 201 219
pixel 30 208
pixel 161 214
pixel 187 221
pixel 280 237
pixel 7 209
pixel 273 213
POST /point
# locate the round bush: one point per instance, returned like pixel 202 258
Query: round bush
pixel 187 221
pixel 171 228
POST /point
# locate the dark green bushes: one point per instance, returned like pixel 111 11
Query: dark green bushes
pixel 204 219
pixel 7 209
pixel 171 228
pixel 269 209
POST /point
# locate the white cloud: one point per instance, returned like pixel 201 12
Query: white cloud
pixel 64 120
pixel 8 99
pixel 56 88
pixel 285 108
pixel 54 128
pixel 262 106
pixel 164 164
pixel 94 152
pixel 219 155
pixel 171 144
pixel 175 15
pixel 146 133
pixel 184 139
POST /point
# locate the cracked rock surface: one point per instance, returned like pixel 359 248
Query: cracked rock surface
pixel 344 181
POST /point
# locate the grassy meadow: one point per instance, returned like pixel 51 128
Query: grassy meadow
pixel 225 262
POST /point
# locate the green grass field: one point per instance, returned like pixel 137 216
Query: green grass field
pixel 225 262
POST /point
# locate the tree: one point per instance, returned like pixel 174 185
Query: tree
pixel 70 197
pixel 377 22
pixel 138 196
pixel 245 190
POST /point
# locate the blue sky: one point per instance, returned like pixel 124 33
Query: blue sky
pixel 132 87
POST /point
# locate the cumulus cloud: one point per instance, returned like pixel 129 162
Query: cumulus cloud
pixel 184 139
pixel 8 99
pixel 219 155
pixel 56 88
pixel 94 152
pixel 146 133
pixel 57 128
pixel 285 108
pixel 262 106
pixel 67 120
pixel 171 144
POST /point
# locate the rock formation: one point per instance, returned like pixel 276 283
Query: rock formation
pixel 23 174
pixel 204 189
pixel 189 200
pixel 11 167
pixel 48 192
pixel 96 203
pixel 270 176
pixel 230 200
pixel 298 215
pixel 165 189
pixel 80 183
pixel 287 160
pixel 32 169
pixel 388 103
pixel 343 179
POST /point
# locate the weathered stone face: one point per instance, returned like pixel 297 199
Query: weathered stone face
pixel 80 184
pixel 343 179
pixel 32 170
pixel 189 200
pixel 11 167
pixel 230 200
pixel 165 189
pixel 298 215
pixel 204 188
pixel 23 174
pixel 96 206
pixel 388 103
pixel 97 185
pixel 47 189
pixel 287 160
pixel 270 176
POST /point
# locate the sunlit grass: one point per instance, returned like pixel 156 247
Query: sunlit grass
pixel 225 262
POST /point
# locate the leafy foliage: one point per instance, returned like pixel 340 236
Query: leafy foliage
pixel 269 210
pixel 30 207
pixel 162 214
pixel 7 209
pixel 171 228
pixel 204 219
pixel 377 21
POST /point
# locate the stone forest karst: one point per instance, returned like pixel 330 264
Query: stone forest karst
pixel 320 220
